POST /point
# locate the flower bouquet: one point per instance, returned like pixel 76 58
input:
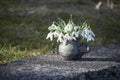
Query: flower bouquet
pixel 68 34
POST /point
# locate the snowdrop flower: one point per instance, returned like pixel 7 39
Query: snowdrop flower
pixel 56 34
pixel 89 38
pixel 68 37
pixel 75 34
pixel 60 37
pixel 76 28
pixel 88 34
pixel 53 27
pixel 68 27
pixel 50 35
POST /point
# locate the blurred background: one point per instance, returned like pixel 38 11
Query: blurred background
pixel 24 24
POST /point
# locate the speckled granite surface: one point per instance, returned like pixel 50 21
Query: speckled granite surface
pixel 101 63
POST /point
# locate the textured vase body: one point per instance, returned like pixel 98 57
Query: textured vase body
pixel 69 50
pixel 73 50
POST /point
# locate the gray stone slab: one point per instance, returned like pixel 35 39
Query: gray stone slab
pixel 101 63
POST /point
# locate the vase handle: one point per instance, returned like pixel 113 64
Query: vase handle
pixel 84 47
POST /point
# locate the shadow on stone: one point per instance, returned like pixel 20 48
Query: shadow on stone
pixel 111 73
pixel 100 59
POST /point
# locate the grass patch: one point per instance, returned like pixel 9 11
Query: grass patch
pixel 23 37
pixel 11 53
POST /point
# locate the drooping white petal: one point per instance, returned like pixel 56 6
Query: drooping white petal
pixel 89 38
pixel 50 35
pixel 65 37
pixel 56 34
pixel 60 37
pixel 92 33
